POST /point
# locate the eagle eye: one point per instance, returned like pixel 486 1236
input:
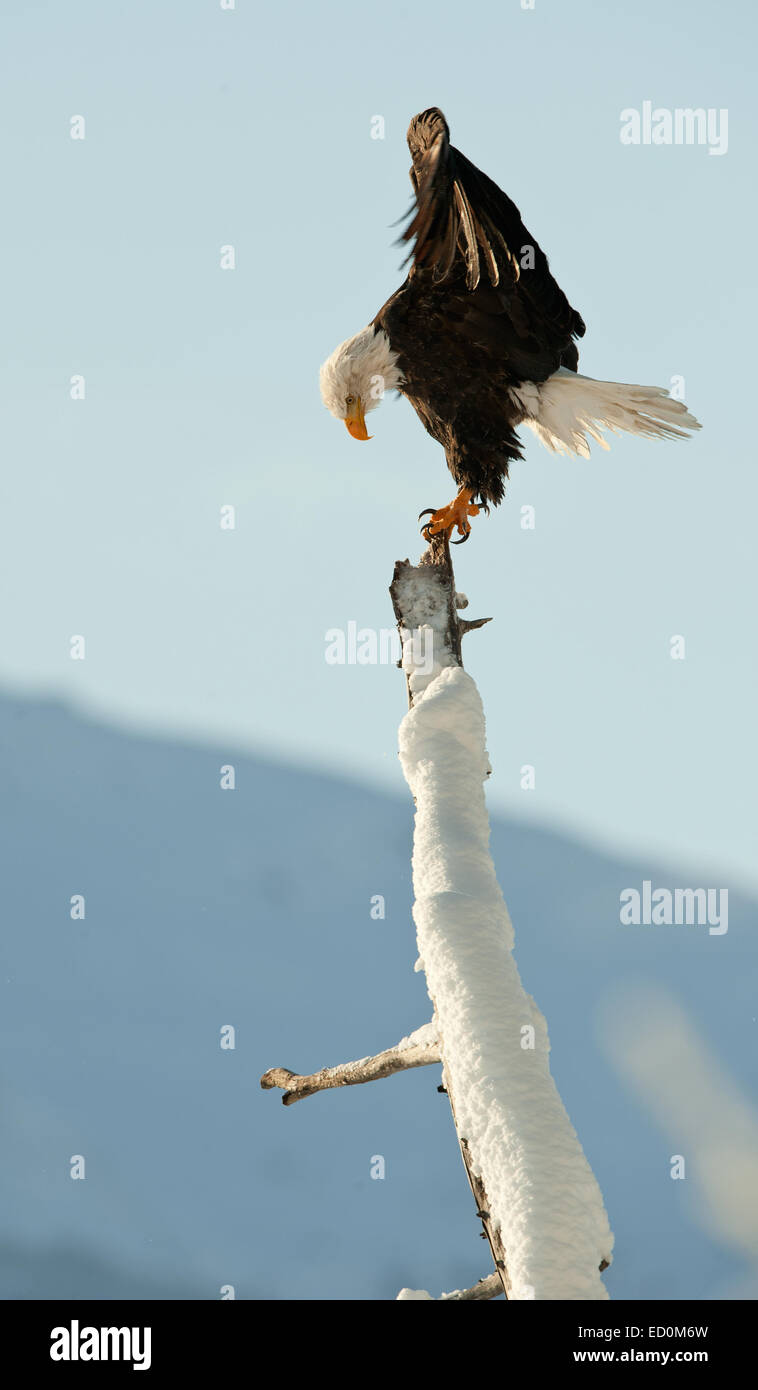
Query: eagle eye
pixel 349 400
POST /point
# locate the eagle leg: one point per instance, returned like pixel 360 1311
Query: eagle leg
pixel 455 515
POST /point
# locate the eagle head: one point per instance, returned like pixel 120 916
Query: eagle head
pixel 354 379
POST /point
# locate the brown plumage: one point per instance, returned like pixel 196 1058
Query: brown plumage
pixel 470 322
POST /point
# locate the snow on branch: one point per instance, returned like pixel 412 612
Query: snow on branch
pixel 486 1289
pixel 536 1196
pixel 544 1209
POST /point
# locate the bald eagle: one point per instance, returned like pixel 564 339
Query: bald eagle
pixel 481 339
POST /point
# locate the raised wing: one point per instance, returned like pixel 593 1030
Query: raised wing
pixel 463 222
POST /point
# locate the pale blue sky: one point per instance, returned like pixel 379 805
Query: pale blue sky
pixel 252 127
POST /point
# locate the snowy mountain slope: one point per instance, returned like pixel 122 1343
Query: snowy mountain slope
pixel 252 907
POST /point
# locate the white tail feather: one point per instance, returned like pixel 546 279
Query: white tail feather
pixel 567 407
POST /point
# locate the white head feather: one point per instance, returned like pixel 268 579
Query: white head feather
pixel 365 367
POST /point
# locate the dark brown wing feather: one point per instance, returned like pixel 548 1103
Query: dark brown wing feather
pixel 462 222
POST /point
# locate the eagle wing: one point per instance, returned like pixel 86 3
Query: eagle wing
pixel 469 236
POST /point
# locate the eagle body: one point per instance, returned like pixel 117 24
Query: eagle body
pixel 458 391
pixel 480 338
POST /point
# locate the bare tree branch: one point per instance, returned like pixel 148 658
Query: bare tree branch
pixel 395 1059
pixel 491 1287
pixel 434 576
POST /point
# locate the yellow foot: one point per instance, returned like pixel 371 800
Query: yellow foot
pixel 456 514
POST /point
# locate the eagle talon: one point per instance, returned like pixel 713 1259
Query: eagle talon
pixel 454 516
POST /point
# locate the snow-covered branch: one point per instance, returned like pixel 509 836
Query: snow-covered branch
pixel 538 1198
pixel 535 1193
pixel 486 1289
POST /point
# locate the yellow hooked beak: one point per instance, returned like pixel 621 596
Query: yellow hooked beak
pixel 356 421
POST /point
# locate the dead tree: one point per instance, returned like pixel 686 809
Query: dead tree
pixel 427 610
